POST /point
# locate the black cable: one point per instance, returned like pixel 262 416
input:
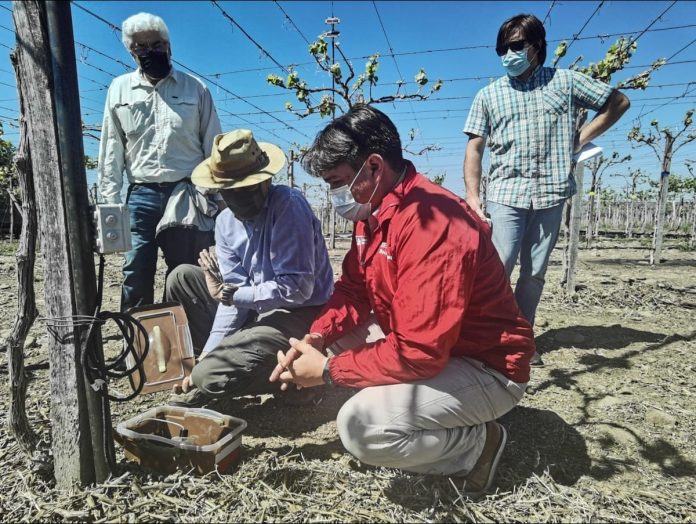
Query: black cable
pixel 287 17
pixel 249 37
pixel 97 370
pixel 548 13
pixel 577 35
pixel 658 17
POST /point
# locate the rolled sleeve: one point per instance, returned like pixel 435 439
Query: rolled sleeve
pixel 111 156
pixel 589 93
pixel 228 319
pixel 478 123
pixel 244 297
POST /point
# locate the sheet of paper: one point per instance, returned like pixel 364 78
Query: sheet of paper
pixel 588 151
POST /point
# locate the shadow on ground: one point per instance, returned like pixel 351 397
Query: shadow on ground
pixel 539 440
pixel 273 417
pixel 660 453
pixel 599 337
pixel 594 337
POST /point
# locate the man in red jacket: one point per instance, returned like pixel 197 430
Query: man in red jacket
pixel 423 317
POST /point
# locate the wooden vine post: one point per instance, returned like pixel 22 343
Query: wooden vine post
pixel 48 78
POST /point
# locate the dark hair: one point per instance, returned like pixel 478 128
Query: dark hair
pixel 351 138
pixel 532 29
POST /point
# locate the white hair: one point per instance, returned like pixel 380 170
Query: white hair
pixel 140 23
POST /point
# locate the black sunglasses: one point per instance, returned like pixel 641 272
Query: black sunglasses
pixel 516 46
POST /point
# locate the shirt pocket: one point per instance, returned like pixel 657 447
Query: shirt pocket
pixel 556 103
pixel 183 112
pixel 133 116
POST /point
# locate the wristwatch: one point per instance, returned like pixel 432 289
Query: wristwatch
pixel 326 375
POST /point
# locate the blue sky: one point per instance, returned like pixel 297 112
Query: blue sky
pixel 453 41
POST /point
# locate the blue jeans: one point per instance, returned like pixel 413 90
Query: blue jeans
pixel 531 234
pixel 146 204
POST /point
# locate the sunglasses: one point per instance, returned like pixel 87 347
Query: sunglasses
pixel 141 50
pixel 516 46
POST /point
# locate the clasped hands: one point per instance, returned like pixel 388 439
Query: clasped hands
pixel 302 364
pixel 217 288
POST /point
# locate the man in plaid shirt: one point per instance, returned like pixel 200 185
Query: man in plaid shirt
pixel 528 118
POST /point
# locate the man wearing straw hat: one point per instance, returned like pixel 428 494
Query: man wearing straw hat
pixel 267 283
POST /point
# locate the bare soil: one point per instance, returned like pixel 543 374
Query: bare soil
pixel 607 431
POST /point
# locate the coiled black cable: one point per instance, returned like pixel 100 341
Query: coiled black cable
pixel 97 370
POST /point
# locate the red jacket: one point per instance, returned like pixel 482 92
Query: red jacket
pixel 428 269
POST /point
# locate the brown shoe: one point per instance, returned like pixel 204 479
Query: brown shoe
pixel 480 479
pixel 536 361
pixel 193 399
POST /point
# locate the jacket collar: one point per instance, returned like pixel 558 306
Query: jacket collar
pixel 391 201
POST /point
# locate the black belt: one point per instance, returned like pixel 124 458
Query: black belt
pixel 160 184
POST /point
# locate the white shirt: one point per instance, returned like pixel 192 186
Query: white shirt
pixel 154 133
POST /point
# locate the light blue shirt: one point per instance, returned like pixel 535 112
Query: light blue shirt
pixel 278 260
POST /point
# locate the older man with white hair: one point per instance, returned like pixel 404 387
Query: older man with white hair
pixel 159 124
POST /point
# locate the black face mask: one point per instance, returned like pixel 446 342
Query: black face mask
pixel 155 64
pixel 246 203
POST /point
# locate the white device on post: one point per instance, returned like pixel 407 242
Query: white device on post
pixel 112 228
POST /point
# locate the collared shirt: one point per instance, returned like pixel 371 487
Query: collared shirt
pixel 429 271
pixel 278 260
pixel 530 127
pixel 154 133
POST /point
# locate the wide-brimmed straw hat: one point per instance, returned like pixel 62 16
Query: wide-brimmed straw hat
pixel 238 160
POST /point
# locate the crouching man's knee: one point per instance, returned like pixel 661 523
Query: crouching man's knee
pixel 177 281
pixel 205 378
pixel 365 437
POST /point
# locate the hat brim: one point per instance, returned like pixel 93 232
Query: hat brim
pixel 203 176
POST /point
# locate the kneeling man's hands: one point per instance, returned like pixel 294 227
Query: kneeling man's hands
pixel 304 367
pixel 220 291
pixel 285 359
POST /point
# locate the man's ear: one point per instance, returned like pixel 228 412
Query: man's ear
pixel 375 163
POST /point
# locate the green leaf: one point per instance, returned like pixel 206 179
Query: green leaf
pixel 275 80
pixel 293 79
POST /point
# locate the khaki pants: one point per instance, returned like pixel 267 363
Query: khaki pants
pixel 432 426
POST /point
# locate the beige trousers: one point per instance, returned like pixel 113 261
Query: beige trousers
pixel 432 426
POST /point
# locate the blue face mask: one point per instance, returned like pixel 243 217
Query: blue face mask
pixel 515 62
pixel 345 204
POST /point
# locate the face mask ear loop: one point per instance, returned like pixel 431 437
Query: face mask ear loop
pixel 356 176
pixel 536 53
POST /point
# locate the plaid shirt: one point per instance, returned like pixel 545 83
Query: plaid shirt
pixel 530 128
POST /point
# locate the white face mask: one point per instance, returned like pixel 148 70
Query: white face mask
pixel 343 201
pixel 516 62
